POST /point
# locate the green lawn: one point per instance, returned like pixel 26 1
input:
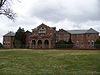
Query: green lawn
pixel 49 62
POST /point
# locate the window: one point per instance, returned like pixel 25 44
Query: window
pixel 42 30
pixel 89 43
pixel 77 36
pixel 92 43
pixel 88 35
pixel 77 43
pixel 81 43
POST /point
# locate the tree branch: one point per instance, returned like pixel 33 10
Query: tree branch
pixel 2 3
pixel 6 10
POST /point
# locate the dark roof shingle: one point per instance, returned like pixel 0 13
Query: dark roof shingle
pixel 77 31
pixel 82 31
pixel 10 34
pixel 91 31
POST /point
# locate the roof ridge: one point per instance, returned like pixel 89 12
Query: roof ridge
pixel 78 30
pixel 91 30
pixel 10 33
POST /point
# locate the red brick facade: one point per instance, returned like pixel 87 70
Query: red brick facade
pixel 8 40
pixel 84 38
pixel 44 36
pixel 62 35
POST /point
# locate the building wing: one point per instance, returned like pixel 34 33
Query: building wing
pixel 89 31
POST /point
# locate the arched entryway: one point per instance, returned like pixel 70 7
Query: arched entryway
pixel 46 44
pixel 33 44
pixel 39 44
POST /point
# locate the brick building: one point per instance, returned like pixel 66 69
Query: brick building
pixel 8 40
pixel 62 34
pixel 84 38
pixel 44 36
pixel 27 33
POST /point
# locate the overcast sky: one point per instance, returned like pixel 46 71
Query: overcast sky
pixel 66 14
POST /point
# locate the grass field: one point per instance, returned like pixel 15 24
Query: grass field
pixel 49 62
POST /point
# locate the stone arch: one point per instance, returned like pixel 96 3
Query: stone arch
pixel 33 44
pixel 46 44
pixel 39 43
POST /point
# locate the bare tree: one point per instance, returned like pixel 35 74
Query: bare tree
pixel 5 9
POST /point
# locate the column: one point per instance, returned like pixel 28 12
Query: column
pixel 36 44
pixel 50 44
pixel 42 43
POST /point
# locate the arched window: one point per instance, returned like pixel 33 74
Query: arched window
pixel 46 44
pixel 33 43
pixel 39 44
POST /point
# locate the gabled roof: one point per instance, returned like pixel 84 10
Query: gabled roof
pixel 82 31
pixel 62 30
pixel 10 34
pixel 91 31
pixel 43 25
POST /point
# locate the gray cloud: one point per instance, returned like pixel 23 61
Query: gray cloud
pixel 66 14
pixel 75 10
